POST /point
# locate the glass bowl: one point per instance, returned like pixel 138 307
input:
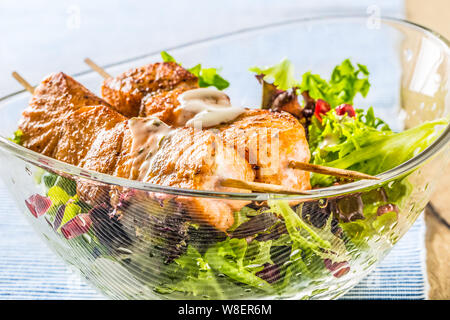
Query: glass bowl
pixel 136 242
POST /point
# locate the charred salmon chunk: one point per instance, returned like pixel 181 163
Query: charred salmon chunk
pixel 126 91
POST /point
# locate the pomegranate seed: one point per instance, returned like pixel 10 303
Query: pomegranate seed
pixel 322 107
pixel 76 226
pixel 38 205
pixel 345 109
pixel 338 269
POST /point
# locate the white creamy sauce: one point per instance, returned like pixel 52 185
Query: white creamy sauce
pixel 147 134
pixel 206 107
pixel 202 107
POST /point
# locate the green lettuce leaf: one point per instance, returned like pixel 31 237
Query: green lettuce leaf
pixel 303 246
pixel 257 255
pixel 294 224
pixel 194 275
pixel 167 57
pixel 207 77
pixel 282 74
pixel 58 195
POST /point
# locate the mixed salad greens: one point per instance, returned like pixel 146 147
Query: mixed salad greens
pixel 275 244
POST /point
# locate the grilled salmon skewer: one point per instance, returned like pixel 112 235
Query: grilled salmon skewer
pixel 67 122
pixel 247 132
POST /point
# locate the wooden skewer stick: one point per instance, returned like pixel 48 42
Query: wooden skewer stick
pixel 349 174
pixel 97 68
pixel 260 187
pixel 23 82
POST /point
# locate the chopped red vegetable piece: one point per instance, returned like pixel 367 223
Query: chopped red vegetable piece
pixel 338 269
pixel 345 109
pixel 322 107
pixel 38 205
pixel 76 226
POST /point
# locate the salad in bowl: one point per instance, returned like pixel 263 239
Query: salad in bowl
pixel 164 187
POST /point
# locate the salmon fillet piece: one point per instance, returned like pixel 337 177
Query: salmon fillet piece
pixel 126 91
pixel 53 100
pixel 163 105
pixel 66 121
pixel 92 138
pixel 187 158
pixel 199 160
pixel 269 140
pixel 81 131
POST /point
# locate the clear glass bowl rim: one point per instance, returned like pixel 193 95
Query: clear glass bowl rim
pixel 55 165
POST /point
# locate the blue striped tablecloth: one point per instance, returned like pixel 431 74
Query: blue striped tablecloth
pixel 29 270
pixel 402 274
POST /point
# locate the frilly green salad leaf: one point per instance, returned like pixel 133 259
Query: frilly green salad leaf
pixel 345 82
pixel 207 77
pixel 294 223
pixel 309 245
pixel 282 74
